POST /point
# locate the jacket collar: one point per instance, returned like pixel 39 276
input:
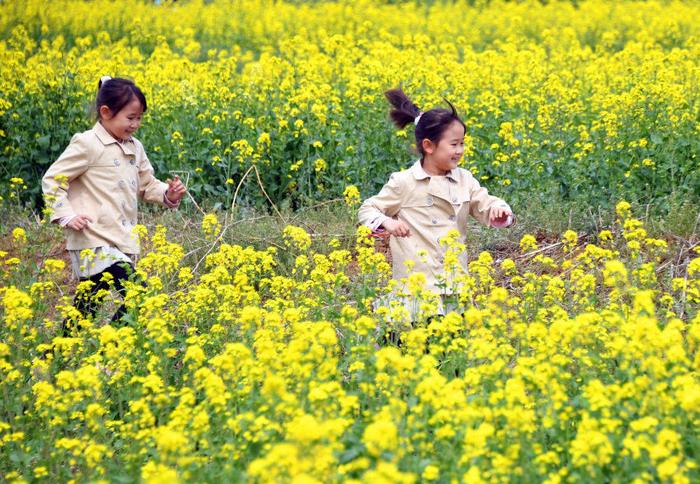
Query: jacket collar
pixel 107 139
pixel 420 174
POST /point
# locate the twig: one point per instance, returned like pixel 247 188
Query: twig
pixel 233 206
pixel 697 221
pixel 251 219
pixel 187 184
pixel 681 253
pixel 341 236
pixel 549 247
pixel 196 249
pixel 269 242
pixel 211 247
pixel 238 187
pixel 227 224
pixel 257 173
pixel 195 203
pixel 312 207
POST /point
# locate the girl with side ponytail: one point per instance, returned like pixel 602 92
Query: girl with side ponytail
pixel 420 206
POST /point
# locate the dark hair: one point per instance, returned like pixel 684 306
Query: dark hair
pixel 115 93
pixel 431 125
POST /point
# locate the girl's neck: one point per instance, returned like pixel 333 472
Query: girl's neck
pixel 430 168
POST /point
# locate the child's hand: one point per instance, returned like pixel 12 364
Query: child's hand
pixel 176 190
pixel 79 222
pixel 501 217
pixel 397 228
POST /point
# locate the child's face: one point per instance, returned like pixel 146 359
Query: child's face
pixel 445 155
pixel 125 122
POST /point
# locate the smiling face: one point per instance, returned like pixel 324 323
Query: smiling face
pixel 443 156
pixel 124 123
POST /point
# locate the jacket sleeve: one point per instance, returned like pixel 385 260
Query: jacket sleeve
pixel 150 188
pixel 386 204
pixel 73 162
pixel 481 202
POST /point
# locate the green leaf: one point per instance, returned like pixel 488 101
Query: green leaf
pixel 44 141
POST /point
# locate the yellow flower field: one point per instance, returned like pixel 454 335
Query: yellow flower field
pixel 574 360
pixel 561 100
pixel 576 363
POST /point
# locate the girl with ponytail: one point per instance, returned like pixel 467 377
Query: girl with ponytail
pixel 419 206
pixel 92 191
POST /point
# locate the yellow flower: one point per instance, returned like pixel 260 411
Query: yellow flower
pixel 210 226
pixel 53 266
pixel 508 266
pixel 605 235
pixel 153 473
pixel 528 243
pixel 380 436
pixel 320 165
pixel 19 236
pixel 296 236
pixel 623 210
pixel 615 273
pixel 431 473
pixel 264 139
pixel 352 196
pixel 570 239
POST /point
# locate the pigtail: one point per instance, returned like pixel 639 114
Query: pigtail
pixel 454 111
pixel 404 111
pixel 429 125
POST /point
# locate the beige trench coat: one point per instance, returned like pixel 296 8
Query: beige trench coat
pixel 431 206
pixel 104 179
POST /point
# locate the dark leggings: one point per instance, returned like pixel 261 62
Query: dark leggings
pixel 85 300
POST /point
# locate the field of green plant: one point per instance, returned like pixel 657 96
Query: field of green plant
pixel 587 102
pixel 253 348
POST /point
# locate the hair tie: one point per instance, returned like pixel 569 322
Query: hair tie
pixel 104 79
pixel 415 121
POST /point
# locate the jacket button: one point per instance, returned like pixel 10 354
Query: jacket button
pixel 434 222
pixel 124 222
pixel 430 200
pixel 454 199
pixel 452 218
pixel 122 183
pixel 117 162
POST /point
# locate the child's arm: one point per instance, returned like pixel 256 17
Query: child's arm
pixel 377 211
pixel 488 209
pixel 153 190
pixel 72 163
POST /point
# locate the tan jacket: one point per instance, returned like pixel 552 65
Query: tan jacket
pixel 104 181
pixel 431 206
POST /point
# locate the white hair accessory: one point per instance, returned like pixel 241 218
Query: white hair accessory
pixel 415 121
pixel 104 79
